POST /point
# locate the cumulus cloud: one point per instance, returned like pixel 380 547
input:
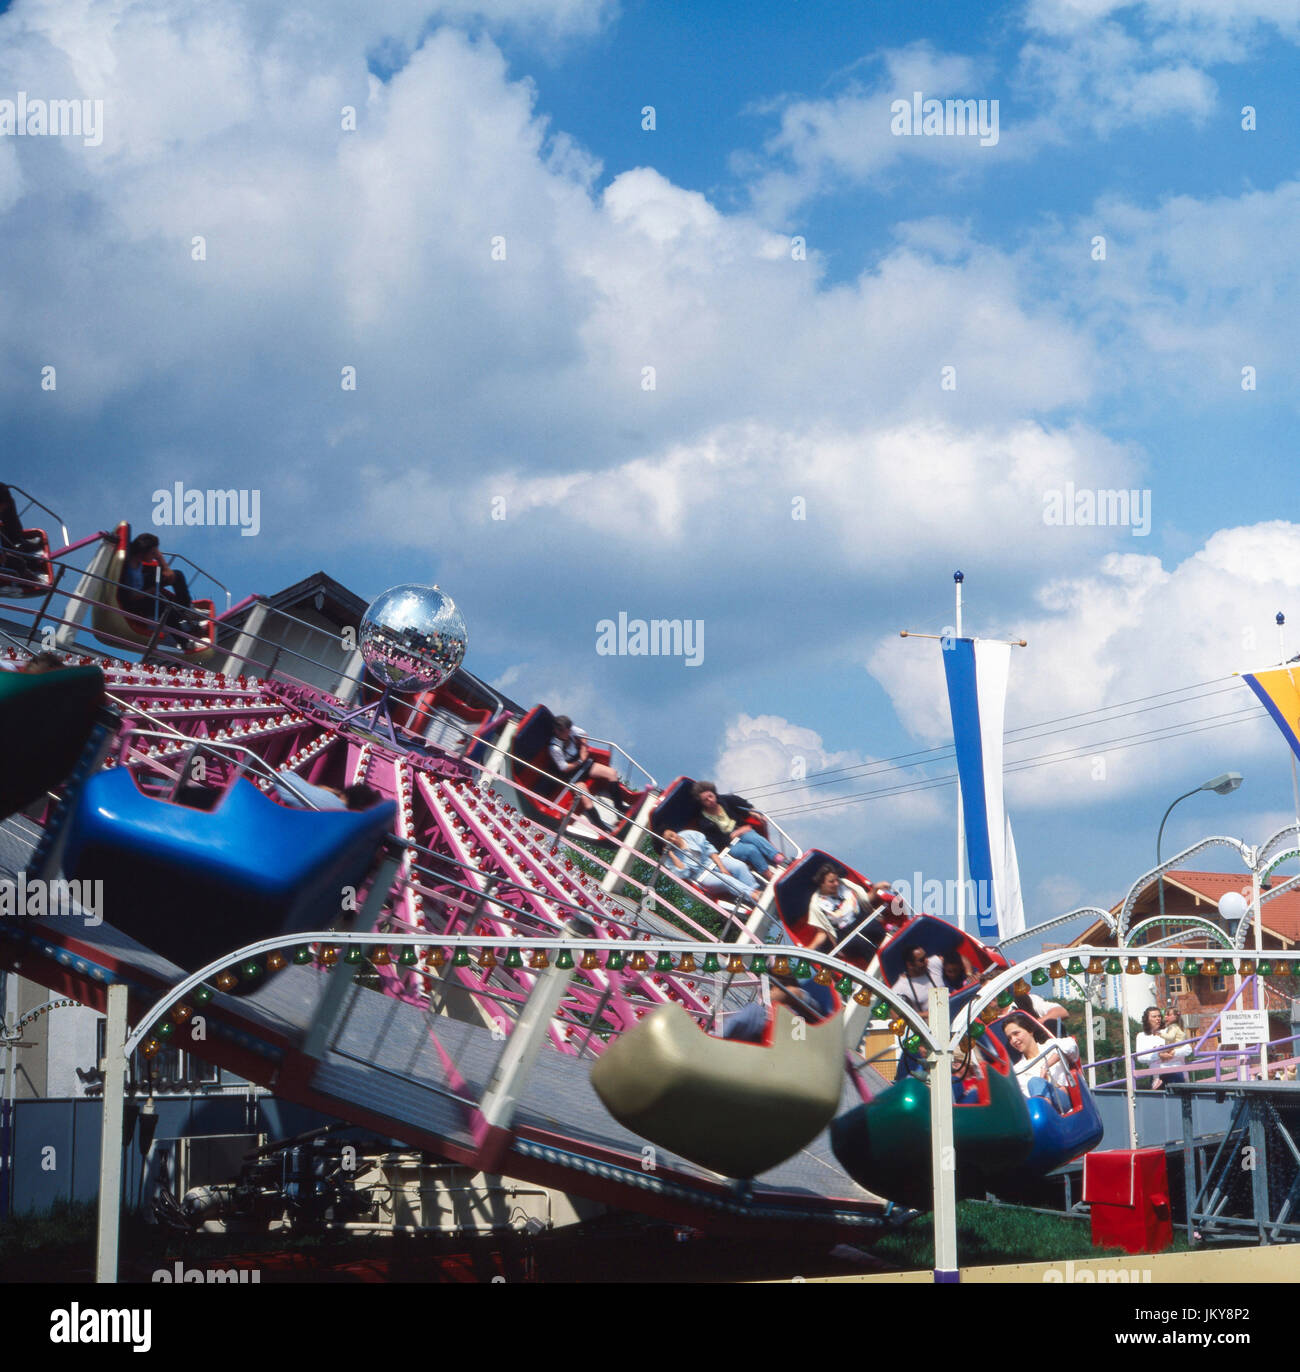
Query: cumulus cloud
pixel 786 770
pixel 1123 632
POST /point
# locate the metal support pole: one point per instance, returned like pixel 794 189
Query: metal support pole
pixel 340 981
pixel 943 1154
pixel 1259 1175
pixel 1261 993
pixel 961 814
pixel 1189 1162
pixel 1091 1034
pixel 497 1108
pixel 110 1139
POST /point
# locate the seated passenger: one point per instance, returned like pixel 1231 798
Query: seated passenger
pixel 957 972
pixel 698 861
pixel 805 999
pixel 16 546
pixel 920 973
pixel 839 906
pixel 1049 1077
pixel 726 821
pixel 35 665
pixel 152 589
pixel 571 761
pixel 307 795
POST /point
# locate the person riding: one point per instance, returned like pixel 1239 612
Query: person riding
pixel 152 589
pixel 698 861
pixel 1049 1077
pixel 729 823
pixel 920 973
pixel 16 545
pixel 840 906
pixel 572 762
pixel 806 999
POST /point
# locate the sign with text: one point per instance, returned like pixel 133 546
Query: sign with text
pixel 1241 1027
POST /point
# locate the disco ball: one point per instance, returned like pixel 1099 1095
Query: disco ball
pixel 412 637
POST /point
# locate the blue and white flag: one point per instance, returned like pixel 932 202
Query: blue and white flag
pixel 977 694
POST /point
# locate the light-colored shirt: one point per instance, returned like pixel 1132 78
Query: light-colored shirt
pixel 721 818
pixel 565 755
pixel 916 988
pixel 696 852
pixel 1050 1069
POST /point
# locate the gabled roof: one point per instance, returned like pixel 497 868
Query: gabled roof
pixel 1197 892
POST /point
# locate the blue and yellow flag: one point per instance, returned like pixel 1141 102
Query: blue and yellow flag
pixel 1279 690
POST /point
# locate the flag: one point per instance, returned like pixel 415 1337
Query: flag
pixel 977 673
pixel 1279 690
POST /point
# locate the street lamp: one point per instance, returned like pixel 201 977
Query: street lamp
pixel 1222 785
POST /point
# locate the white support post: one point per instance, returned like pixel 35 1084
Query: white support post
pixel 1261 996
pixel 497 1109
pixel 1091 1033
pixel 239 659
pixel 961 823
pixel 1126 1039
pixel 89 590
pixel 630 847
pixel 110 1139
pixel 943 1153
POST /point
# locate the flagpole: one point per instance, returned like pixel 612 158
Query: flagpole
pixel 1295 789
pixel 958 578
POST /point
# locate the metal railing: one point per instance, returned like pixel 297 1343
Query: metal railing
pixel 32 500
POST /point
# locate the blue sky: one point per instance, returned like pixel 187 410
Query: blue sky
pixel 778 380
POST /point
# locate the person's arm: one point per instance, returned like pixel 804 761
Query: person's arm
pixel 1146 1048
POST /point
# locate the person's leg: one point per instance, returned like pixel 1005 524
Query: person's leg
pixel 713 883
pixel 740 872
pixel 765 849
pixel 747 1024
pixel 753 858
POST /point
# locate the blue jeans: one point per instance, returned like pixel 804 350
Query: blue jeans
pixel 748 1024
pixel 754 850
pixel 1059 1100
pixel 740 883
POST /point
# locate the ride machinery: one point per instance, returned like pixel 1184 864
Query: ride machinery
pixel 444 962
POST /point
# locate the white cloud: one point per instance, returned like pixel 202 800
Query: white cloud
pixel 824 144
pixel 767 758
pixel 1208 285
pixel 1125 631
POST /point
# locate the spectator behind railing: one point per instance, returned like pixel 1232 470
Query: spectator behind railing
pixel 1173 1033
pixel 1150 1046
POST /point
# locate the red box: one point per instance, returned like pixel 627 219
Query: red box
pixel 1129 1195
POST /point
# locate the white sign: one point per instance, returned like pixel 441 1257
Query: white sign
pixel 1242 1027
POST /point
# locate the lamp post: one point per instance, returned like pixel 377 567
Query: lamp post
pixel 1221 785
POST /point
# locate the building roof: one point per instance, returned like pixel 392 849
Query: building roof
pixel 1196 892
